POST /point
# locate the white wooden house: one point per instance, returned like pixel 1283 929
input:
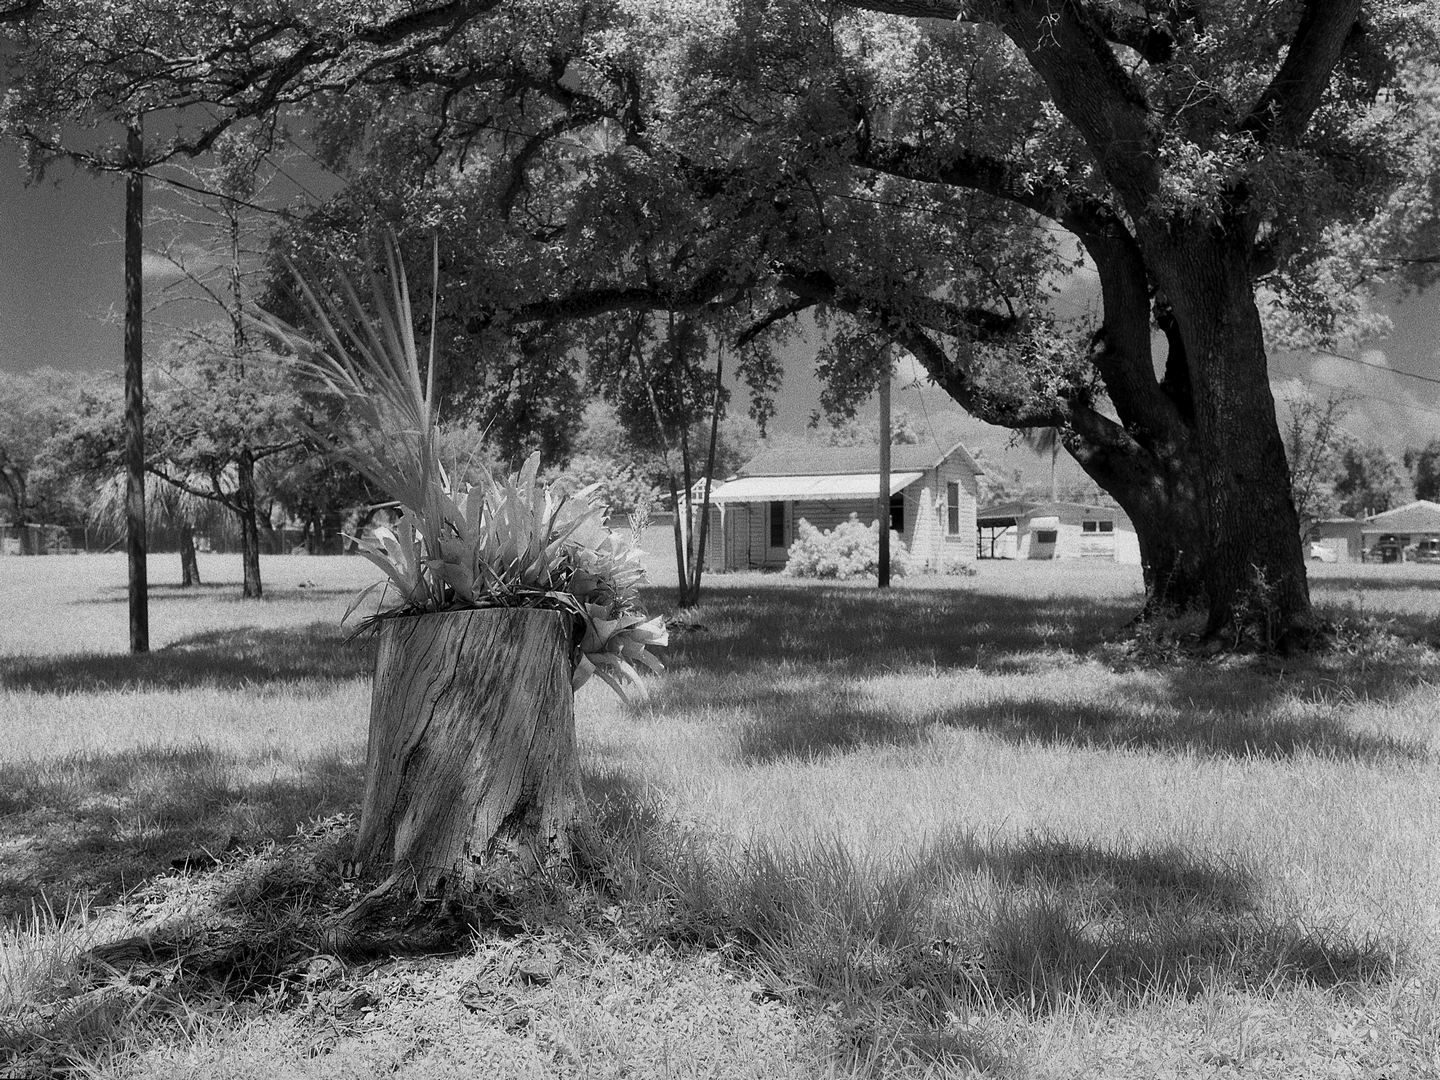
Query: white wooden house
pixel 932 502
pixel 1057 530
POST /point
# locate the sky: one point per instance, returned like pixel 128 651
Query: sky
pixel 61 287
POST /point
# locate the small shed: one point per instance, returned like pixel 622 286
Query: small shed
pixel 1340 536
pixel 932 502
pixel 1057 530
pixel 1398 535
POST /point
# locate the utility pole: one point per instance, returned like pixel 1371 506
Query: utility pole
pixel 884 501
pixel 135 396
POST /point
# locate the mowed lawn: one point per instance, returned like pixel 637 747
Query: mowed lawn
pixel 969 827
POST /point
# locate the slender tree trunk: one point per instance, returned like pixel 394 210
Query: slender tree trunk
pixel 884 499
pixel 139 586
pixel 249 529
pixel 189 561
pixel 688 582
pixel 709 473
pixel 471 759
pixel 682 590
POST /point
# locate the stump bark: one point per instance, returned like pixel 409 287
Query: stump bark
pixel 471 756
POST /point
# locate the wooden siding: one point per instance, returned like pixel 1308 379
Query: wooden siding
pixel 961 544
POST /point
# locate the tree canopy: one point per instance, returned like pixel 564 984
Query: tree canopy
pixel 34 411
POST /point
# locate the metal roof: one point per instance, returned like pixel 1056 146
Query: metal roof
pixel 851 460
pixel 1013 510
pixel 809 488
pixel 1416 517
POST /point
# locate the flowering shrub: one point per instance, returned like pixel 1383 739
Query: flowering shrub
pixel 499 542
pixel 848 550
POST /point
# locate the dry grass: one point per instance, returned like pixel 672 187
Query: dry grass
pixel 966 828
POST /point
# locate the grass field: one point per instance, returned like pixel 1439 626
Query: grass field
pixel 970 827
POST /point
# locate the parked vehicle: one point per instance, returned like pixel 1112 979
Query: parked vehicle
pixel 1319 552
pixel 1387 549
pixel 1427 551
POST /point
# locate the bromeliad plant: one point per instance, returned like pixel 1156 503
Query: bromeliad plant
pixel 502 542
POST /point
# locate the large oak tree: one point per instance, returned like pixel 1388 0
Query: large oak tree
pixel 920 171
pixel 918 177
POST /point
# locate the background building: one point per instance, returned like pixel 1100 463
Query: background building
pixel 932 502
pixel 1057 530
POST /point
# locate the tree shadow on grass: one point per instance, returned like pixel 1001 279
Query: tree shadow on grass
pixel 869 632
pixel 895 945
pixel 817 719
pixel 242 657
pixel 1134 725
pixel 1067 920
pixel 99 825
pixel 792 662
pixel 809 727
pixel 789 716
pixel 223 591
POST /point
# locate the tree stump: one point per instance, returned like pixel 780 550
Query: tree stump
pixel 471 757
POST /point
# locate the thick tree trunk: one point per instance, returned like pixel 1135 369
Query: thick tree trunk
pixel 1173 561
pixel 471 760
pixel 189 561
pixel 249 528
pixel 1159 494
pixel 1255 569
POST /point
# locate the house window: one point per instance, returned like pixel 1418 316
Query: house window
pixel 1107 526
pixel 777 524
pixel 897 512
pixel 952 508
pixel 1045 536
pixel 1089 526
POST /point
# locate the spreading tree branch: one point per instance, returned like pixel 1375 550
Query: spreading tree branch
pixel 1285 108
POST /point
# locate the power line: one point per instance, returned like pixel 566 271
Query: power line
pixel 1377 367
pixel 1369 397
pixel 214 194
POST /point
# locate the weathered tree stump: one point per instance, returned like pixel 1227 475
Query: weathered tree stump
pixel 471 757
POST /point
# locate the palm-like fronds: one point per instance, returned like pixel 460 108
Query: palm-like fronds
pixel 503 542
pixel 368 357
pixel 172 503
